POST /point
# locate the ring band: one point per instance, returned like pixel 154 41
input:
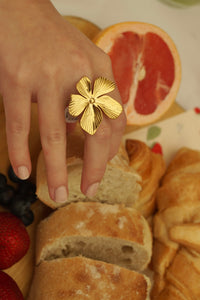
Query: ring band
pixel 91 104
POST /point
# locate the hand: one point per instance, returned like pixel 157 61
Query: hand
pixel 42 57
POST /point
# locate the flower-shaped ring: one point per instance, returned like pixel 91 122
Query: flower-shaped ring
pixel 92 104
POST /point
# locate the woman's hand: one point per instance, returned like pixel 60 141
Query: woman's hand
pixel 42 57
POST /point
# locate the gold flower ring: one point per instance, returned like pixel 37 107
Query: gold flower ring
pixel 92 104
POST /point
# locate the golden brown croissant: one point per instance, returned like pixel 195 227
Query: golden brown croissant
pixel 176 251
pixel 151 167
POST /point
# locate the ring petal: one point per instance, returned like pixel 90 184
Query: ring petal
pixel 110 107
pixel 77 105
pixel 91 119
pixel 102 86
pixel 84 87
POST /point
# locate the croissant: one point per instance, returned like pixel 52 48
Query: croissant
pixel 176 230
pixel 151 167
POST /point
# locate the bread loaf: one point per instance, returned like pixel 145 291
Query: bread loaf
pixel 111 233
pixel 131 178
pixel 176 251
pixel 106 232
pixel 120 184
pixel 80 278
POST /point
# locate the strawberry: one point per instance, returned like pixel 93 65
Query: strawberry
pixel 9 289
pixel 157 148
pixel 14 240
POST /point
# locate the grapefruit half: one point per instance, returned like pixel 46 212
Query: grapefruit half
pixel 146 67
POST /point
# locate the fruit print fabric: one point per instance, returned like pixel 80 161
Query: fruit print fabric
pixel 182 130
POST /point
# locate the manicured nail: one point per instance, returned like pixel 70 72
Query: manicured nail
pixel 92 190
pixel 60 195
pixel 23 172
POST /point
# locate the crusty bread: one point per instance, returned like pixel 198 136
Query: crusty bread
pixel 151 167
pixel 80 278
pixel 176 251
pixel 120 184
pixel 112 233
pixel 132 177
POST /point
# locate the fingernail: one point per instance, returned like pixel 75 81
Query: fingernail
pixel 92 190
pixel 60 195
pixel 23 172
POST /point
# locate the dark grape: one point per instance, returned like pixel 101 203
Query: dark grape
pixel 3 181
pixel 26 188
pixel 6 195
pixel 18 200
pixel 19 205
pixel 27 218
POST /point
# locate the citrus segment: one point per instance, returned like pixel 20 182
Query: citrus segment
pixel 146 67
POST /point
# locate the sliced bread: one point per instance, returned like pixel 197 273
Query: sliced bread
pixel 80 278
pixel 111 233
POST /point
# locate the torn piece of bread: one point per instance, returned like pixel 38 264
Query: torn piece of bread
pixel 120 184
pixel 80 278
pixel 111 233
pixel 176 251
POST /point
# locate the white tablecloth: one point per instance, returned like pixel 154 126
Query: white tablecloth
pixel 182 24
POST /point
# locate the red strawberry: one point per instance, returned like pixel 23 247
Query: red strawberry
pixel 157 148
pixel 14 240
pixel 8 288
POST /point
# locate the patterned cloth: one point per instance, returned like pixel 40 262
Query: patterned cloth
pixel 168 136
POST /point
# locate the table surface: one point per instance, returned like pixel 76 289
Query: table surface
pixel 182 24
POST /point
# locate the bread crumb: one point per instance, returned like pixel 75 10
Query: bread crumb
pixel 116 270
pixel 108 209
pixel 80 292
pixel 80 225
pixel 93 271
pixel 81 228
pixel 90 213
pixel 121 221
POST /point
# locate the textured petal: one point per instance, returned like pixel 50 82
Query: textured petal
pixel 91 119
pixel 110 107
pixel 84 87
pixel 102 86
pixel 77 104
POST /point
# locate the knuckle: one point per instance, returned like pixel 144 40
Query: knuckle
pixel 17 128
pixel 82 62
pixel 19 78
pixel 54 137
pixel 49 72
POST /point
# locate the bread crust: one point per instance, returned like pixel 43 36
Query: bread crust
pixel 113 233
pixel 120 184
pixel 151 167
pixel 79 278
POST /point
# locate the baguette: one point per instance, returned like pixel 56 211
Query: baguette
pixel 120 184
pixel 80 278
pixel 131 178
pixel 176 251
pixel 112 233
